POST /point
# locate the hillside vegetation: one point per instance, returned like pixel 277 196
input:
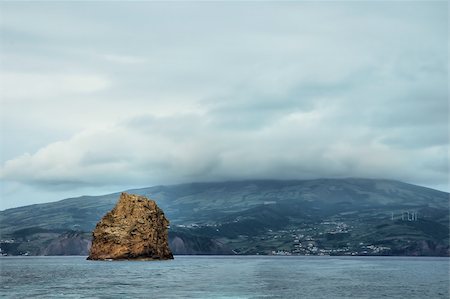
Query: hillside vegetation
pixel 305 217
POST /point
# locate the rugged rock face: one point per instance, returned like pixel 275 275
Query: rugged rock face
pixel 69 243
pixel 135 228
pixel 184 243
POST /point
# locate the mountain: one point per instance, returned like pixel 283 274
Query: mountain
pixel 323 216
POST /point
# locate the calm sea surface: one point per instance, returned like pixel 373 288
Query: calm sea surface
pixel 226 277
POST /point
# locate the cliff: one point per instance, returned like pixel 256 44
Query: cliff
pixel 189 244
pixel 68 243
pixel 135 228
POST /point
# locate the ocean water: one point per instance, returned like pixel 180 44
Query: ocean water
pixel 226 277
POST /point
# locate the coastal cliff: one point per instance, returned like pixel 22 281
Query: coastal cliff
pixel 135 228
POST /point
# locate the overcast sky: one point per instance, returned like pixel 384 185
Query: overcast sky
pixel 101 97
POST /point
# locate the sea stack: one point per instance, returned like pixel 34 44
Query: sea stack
pixel 135 229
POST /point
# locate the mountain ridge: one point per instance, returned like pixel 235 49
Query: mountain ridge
pixel 131 190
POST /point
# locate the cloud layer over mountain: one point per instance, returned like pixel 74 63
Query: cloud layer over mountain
pixel 97 97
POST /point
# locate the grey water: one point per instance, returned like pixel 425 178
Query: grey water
pixel 226 277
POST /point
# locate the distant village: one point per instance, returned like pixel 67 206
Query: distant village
pixel 325 238
pixel 309 242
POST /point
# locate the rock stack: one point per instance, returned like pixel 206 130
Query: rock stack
pixel 135 229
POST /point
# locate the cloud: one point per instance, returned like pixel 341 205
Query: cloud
pixel 124 59
pixel 136 94
pixel 155 150
pixel 15 86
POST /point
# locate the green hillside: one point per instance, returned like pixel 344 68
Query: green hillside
pixel 325 216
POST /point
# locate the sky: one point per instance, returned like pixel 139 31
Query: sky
pixel 100 97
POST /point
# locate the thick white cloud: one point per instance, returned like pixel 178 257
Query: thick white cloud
pixel 152 150
pixel 97 98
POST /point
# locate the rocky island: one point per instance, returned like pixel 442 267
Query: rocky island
pixel 135 229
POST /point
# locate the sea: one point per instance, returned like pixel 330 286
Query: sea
pixel 226 277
